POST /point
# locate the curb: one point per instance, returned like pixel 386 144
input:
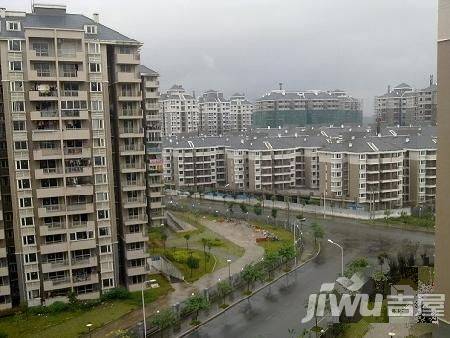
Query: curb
pixel 206 321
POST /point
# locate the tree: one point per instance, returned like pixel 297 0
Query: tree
pixel 209 245
pixel 271 261
pixel 164 319
pixel 286 253
pixel 274 213
pixel 195 304
pixel 193 263
pixel 187 237
pixel 164 239
pixel 230 207
pixel 224 288
pixel 381 259
pixel 380 280
pixel 387 214
pixel 205 243
pixel 257 209
pixel 251 273
pixel 318 232
pixel 243 208
pixel 356 265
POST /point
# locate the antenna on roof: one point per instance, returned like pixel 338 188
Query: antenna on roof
pixel 281 85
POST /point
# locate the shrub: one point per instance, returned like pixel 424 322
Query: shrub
pixel 116 293
pixel 58 307
pixel 3 335
pixel 38 310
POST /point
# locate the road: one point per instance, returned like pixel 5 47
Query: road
pixel 280 314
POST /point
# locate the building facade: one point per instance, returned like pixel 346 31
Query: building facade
pixel 215 112
pixel 405 106
pixel 73 173
pixel 301 108
pixel 240 113
pixel 180 111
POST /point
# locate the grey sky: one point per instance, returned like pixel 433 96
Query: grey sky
pixel 251 45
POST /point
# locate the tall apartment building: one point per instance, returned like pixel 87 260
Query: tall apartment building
pixel 214 111
pixel 240 113
pixel 152 123
pixel 442 238
pixel 405 106
pixel 180 111
pixel 301 108
pixel 5 290
pixel 75 195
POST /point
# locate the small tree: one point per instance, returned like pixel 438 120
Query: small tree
pixel 387 214
pixel 230 207
pixel 164 239
pixel 356 265
pixel 274 214
pixel 318 232
pixel 271 261
pixel 257 209
pixel 193 263
pixel 187 237
pixel 164 319
pixel 209 245
pixel 381 259
pixel 286 253
pixel 243 208
pixel 205 243
pixel 224 288
pixel 195 304
pixel 250 274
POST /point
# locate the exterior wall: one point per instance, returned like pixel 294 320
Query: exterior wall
pixel 5 287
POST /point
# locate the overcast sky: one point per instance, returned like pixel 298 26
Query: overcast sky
pixel 251 45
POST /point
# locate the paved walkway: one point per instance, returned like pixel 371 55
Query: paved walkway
pixel 237 232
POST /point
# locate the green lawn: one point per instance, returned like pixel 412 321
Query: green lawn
pixel 73 323
pixel 359 329
pixel 285 237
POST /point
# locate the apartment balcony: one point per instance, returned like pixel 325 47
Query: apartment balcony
pixel 78 171
pixel 57 283
pixel 156 205
pixel 136 219
pixel 132 149
pixel 133 168
pixel 53 247
pixel 132 58
pixel 82 224
pixel 4 271
pixel 135 203
pixel 44 115
pixel 35 95
pixel 370 161
pixel 136 237
pixel 48 172
pixel 76 134
pixel 152 83
pixel 32 55
pixel 55 266
pixel 74 95
pixel 152 106
pixel 84 262
pixel 131 132
pixel 52 228
pixel 2 252
pixel 131 114
pixel 83 244
pixel 128 77
pixel 136 254
pixel 133 185
pixel 5 290
pixel 70 56
pixel 46 135
pixel 72 76
pixel 136 270
pixel 80 190
pixel 81 152
pixel 34 75
pixel 50 192
pixel 85 208
pixel 129 96
pixel 90 278
pixel 74 114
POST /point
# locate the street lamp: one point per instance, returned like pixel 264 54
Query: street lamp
pixel 391 334
pixel 143 306
pixel 229 269
pixel 342 255
pixel 89 325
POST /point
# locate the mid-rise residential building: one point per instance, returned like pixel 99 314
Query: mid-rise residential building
pixel 301 108
pixel 405 106
pixel 152 123
pixel 345 166
pixel 214 111
pixel 240 113
pixel 72 156
pixel 179 111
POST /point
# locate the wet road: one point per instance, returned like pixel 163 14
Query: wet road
pixel 279 313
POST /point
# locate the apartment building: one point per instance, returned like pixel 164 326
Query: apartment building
pixel 404 105
pixel 73 173
pixel 180 111
pixel 240 113
pixel 302 108
pixel 5 290
pixel 214 111
pixel 152 123
pixel 350 166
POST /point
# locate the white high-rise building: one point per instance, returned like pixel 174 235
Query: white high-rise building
pixel 214 113
pixel 241 113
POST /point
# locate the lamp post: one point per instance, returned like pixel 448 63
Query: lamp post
pixel 342 255
pixel 391 334
pixel 89 325
pixel 229 270
pixel 143 307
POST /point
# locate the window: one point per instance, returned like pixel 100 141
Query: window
pixel 14 45
pixel 15 66
pixel 95 67
pixel 18 106
pixel 103 214
pixel 16 86
pixel 93 48
pixel 96 86
pixel 97 105
pixel 32 276
pixel 42 69
pixel 20 145
pixel 90 29
pixel 103 231
pixel 28 240
pixel 99 161
pixel 18 125
pixel 126 68
pixel 26 221
pixel 12 25
pixel 40 48
pixel 105 249
pixel 101 178
pixel 108 282
pixel 101 196
pixel 23 184
pixel 22 165
pixel 81 235
pixel 25 202
pixel 97 124
pixel 98 142
pixel 30 258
